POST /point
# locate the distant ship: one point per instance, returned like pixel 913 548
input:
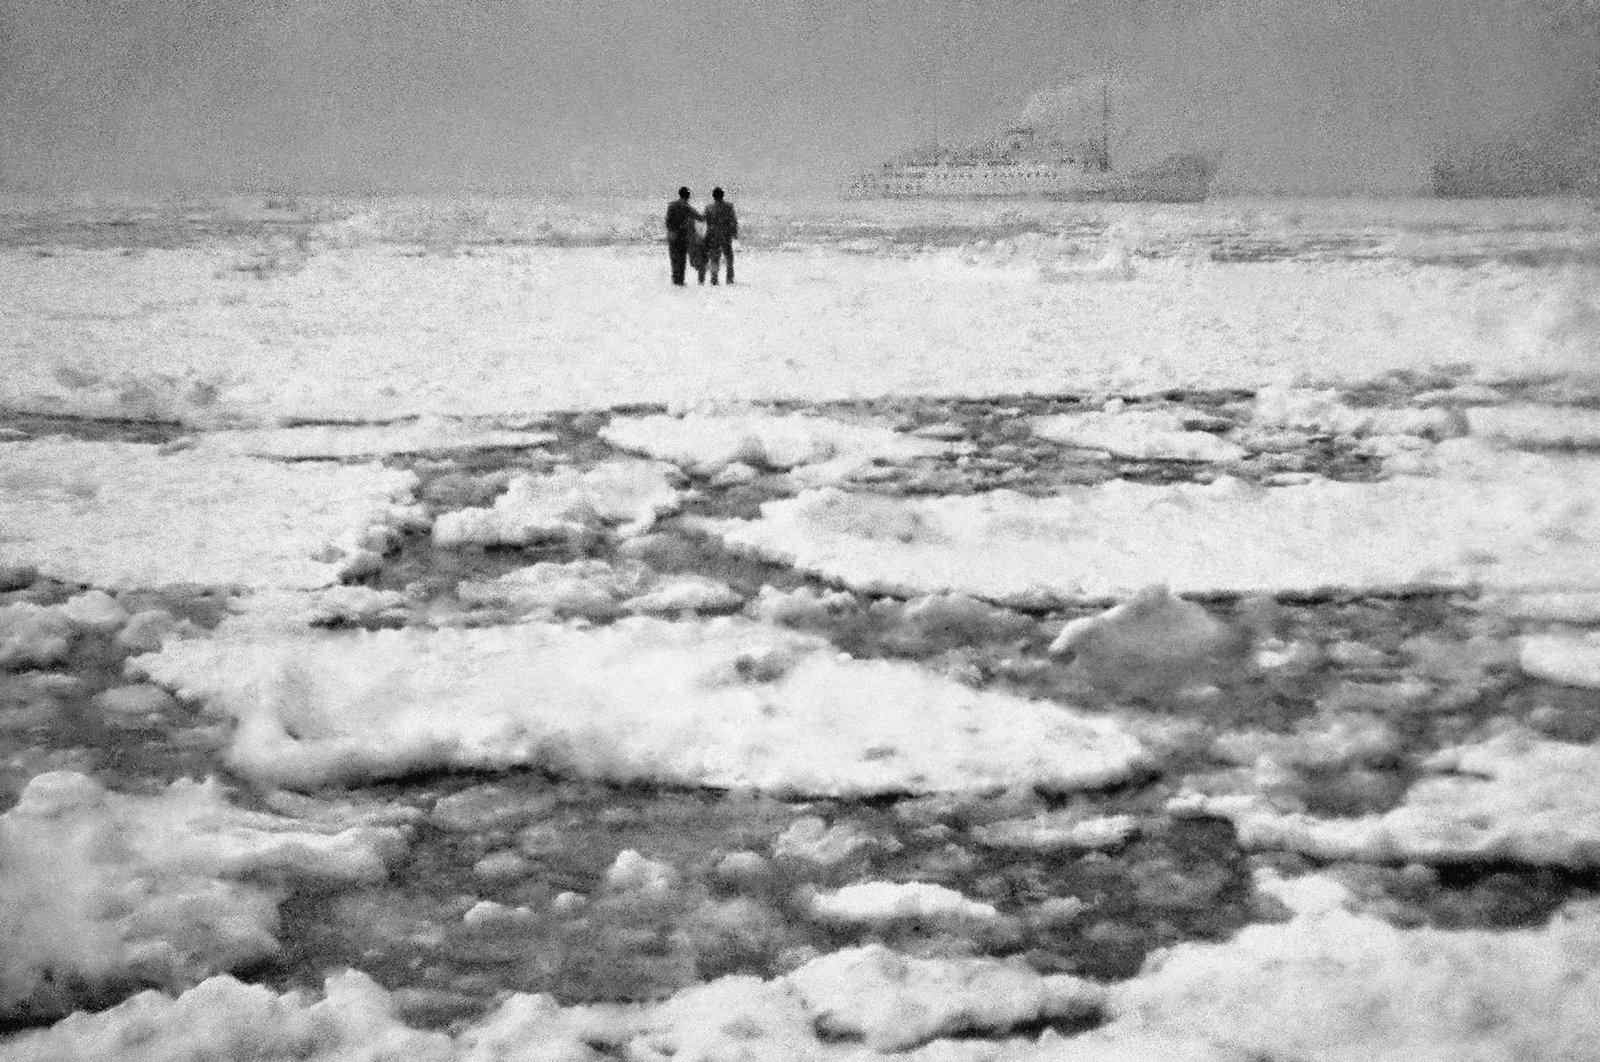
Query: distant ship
pixel 1181 178
pixel 1028 161
pixel 1510 166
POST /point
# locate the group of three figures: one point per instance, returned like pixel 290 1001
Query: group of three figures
pixel 687 246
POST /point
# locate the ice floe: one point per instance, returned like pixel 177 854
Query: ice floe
pixel 811 840
pixel 1153 643
pixel 365 334
pixel 105 890
pixel 893 1002
pixel 1328 984
pixel 627 494
pixel 225 1020
pixel 872 902
pixel 815 449
pixel 723 703
pixel 598 590
pixel 129 515
pixel 684 594
pixel 1500 521
pixel 33 636
pixel 857 1004
pixel 337 605
pixel 1325 411
pixel 632 872
pixel 922 625
pixel 1513 797
pixel 1529 424
pixel 1572 659
pixel 1339 987
pixel 1138 434
pixel 1327 740
pixel 1554 606
pixel 1058 831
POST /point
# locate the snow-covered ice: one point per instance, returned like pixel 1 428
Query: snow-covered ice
pixel 1556 606
pixel 887 901
pixel 1526 424
pixel 1324 411
pixel 1152 643
pixel 1340 987
pixel 1140 434
pixel 894 1002
pixel 33 636
pixel 597 589
pixel 104 888
pixel 1054 831
pixel 1328 985
pixel 1515 797
pixel 1326 740
pixel 364 334
pixel 223 1019
pixel 1572 659
pixel 537 507
pixel 1497 520
pixel 127 515
pixel 392 355
pixel 633 872
pixel 816 449
pixel 812 840
pixel 723 703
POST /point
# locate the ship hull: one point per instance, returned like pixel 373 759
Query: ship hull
pixel 1177 180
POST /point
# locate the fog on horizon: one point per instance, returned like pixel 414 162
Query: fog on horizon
pixel 788 97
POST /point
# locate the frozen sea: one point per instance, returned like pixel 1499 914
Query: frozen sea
pixel 988 630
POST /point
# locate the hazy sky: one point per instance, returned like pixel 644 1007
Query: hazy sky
pixel 365 94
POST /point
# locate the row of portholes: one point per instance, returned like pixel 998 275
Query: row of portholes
pixel 986 174
pixel 911 184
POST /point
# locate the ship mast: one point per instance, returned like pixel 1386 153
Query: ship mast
pixel 1105 124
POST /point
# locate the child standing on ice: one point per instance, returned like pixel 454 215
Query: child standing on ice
pixel 697 252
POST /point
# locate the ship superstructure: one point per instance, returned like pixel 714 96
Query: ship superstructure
pixel 1031 159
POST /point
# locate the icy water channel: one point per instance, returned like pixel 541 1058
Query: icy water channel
pixel 508 882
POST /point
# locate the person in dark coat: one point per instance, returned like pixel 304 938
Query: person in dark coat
pixel 722 225
pixel 680 233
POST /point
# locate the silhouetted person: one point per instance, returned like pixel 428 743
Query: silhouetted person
pixel 722 225
pixel 680 233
